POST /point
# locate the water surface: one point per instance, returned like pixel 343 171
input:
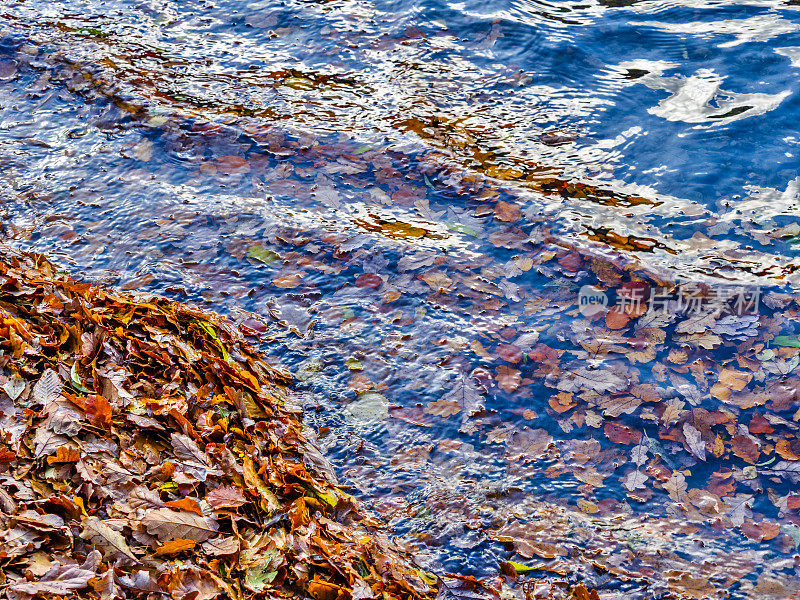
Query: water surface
pixel 413 194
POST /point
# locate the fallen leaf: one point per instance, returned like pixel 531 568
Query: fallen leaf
pixel 173 547
pixel 167 524
pixel 230 496
pixel 109 540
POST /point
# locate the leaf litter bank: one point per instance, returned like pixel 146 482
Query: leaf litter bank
pixel 148 451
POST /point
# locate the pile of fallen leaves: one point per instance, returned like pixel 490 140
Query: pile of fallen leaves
pixel 145 451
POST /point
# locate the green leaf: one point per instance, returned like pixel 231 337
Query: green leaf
pixel 354 364
pixel 260 576
pixel 88 31
pixel 520 568
pixel 210 331
pixel 76 380
pixel 361 149
pixel 766 354
pixel 461 229
pixel 789 341
pixel 793 531
pixel 263 255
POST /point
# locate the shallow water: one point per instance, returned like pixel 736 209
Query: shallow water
pixel 415 193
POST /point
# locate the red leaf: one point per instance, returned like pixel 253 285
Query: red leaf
pixel 509 352
pixel 369 280
pixel 621 434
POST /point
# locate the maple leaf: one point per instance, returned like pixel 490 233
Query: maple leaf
pixel 168 524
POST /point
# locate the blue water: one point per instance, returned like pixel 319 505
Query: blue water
pixel 412 196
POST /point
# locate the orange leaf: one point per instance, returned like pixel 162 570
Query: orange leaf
pixel 788 449
pixel 616 319
pixel 322 590
pixel 581 592
pixel 189 504
pixel 98 410
pixel 562 402
pixel 291 280
pixel 65 454
pixel 172 547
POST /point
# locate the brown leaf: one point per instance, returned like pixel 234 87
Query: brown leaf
pixel 48 388
pixel 507 378
pixel 745 448
pixel 60 580
pixel 527 540
pixel 167 524
pixel 761 531
pixel 509 352
pixel 443 408
pixel 221 546
pixel 621 434
pixel 230 496
pixel 109 540
pixel 232 165
pixel 505 211
pixel 288 280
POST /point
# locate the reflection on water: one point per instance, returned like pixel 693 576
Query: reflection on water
pixel 415 193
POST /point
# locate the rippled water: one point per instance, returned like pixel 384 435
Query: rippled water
pixel 415 192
